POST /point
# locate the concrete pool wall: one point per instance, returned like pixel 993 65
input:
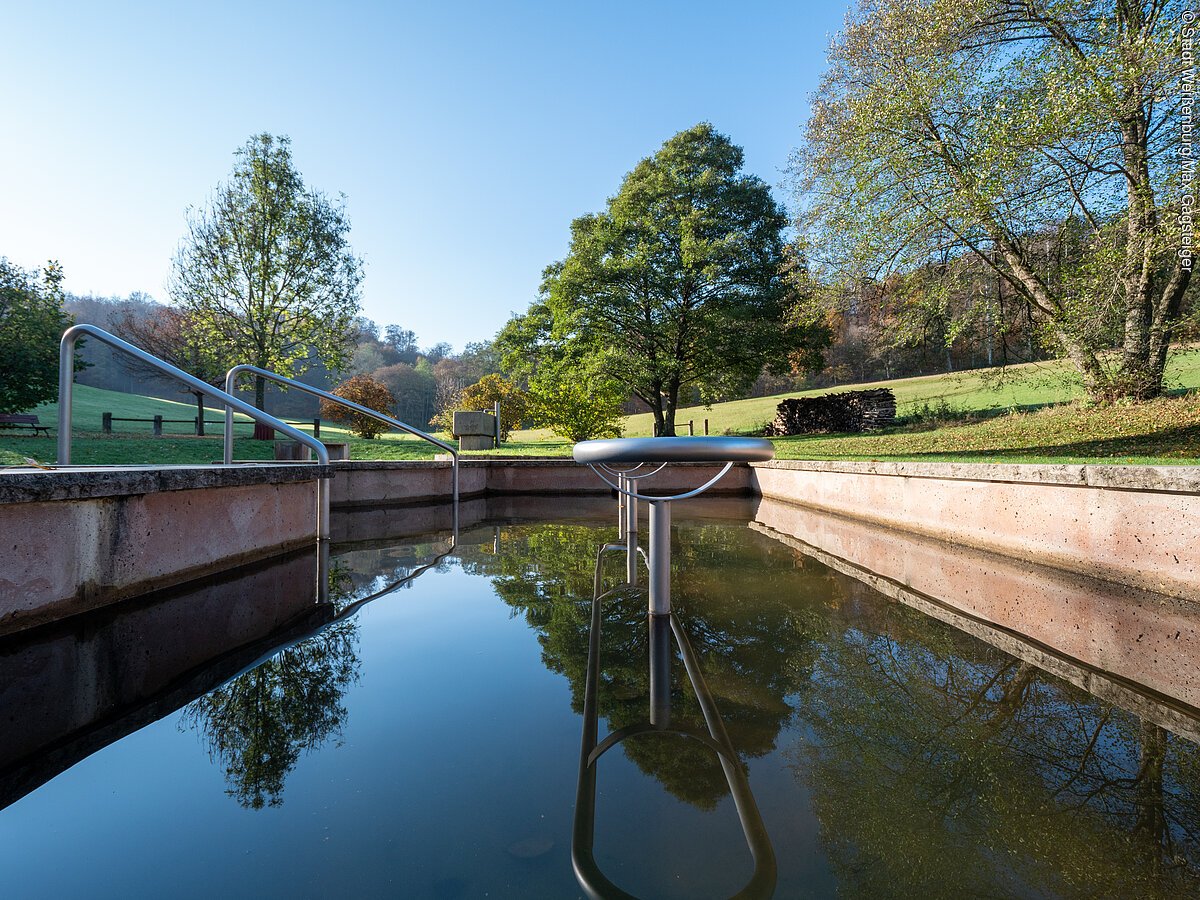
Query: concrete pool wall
pixel 1133 525
pixel 78 539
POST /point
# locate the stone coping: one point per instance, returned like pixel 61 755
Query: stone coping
pixel 30 485
pixel 481 461
pixel 1171 479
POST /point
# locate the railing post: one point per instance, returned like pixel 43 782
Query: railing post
pixel 106 423
pixel 631 535
pixel 316 428
pixel 158 426
pixel 660 557
pixel 66 382
pixel 660 671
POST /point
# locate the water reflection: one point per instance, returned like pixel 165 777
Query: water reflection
pixel 258 725
pixel 752 655
pixel 937 764
pixel 941 764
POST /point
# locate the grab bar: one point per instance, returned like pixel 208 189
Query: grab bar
pixel 233 374
pixel 66 383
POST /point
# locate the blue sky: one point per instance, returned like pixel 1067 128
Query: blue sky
pixel 465 136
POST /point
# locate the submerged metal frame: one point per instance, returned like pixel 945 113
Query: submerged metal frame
pixel 594 882
pixel 236 372
pixel 599 456
pixel 66 383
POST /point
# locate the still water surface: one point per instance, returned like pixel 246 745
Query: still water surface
pixel 428 746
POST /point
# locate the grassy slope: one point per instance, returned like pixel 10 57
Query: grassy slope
pixel 1167 431
pixel 1022 387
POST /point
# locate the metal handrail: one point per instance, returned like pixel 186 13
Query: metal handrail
pixel 66 384
pixel 231 378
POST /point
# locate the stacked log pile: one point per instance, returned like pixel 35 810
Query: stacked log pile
pixel 848 411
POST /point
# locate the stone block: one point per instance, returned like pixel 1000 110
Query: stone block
pixel 474 423
pixel 475 441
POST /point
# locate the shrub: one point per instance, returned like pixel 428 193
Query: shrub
pixel 483 396
pixel 365 391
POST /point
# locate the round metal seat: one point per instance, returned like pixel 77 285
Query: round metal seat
pixel 624 458
pixel 674 450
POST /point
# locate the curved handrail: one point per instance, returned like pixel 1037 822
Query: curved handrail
pixel 233 374
pixel 66 383
pixel 594 882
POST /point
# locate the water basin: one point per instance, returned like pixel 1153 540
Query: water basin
pixel 426 743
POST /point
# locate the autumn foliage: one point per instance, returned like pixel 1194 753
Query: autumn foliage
pixel 365 391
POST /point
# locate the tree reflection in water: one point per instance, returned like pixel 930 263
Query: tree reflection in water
pixel 257 725
pixel 943 766
pixel 752 643
pixel 938 765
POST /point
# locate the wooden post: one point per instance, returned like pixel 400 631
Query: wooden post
pixel 706 427
pixel 158 426
pixel 691 430
pixel 316 428
pixel 106 423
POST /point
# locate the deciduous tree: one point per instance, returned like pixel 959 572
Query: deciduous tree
pixel 678 283
pixel 365 391
pixel 32 320
pixel 999 127
pixel 265 270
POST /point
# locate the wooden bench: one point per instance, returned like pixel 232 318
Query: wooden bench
pixel 11 420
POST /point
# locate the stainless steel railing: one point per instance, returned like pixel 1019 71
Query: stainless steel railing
pixel 66 383
pixel 236 372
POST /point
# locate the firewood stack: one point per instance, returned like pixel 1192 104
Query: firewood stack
pixel 849 411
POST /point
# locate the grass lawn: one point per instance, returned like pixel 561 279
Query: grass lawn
pixel 1027 386
pixel 1161 432
pixel 969 416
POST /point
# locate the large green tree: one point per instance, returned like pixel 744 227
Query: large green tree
pixel 1040 136
pixel 678 284
pixel 32 320
pixel 265 271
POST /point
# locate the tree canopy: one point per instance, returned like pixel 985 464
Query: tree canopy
pixel 1000 129
pixel 677 285
pixel 32 320
pixel 265 271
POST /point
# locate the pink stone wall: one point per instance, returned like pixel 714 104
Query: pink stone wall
pixel 1139 530
pixel 62 557
pixel 1149 639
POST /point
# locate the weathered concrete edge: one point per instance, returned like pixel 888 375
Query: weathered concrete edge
pixel 66 607
pixel 90 483
pixel 1167 712
pixel 1174 479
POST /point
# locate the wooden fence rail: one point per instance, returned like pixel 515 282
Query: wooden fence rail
pixel 106 420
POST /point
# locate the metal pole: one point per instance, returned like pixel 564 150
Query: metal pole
pixel 323 516
pixel 228 431
pixel 660 671
pixel 631 537
pixel 660 557
pixel 497 424
pixel 66 381
pixel 454 457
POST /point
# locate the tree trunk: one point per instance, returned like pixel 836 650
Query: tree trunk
pixel 199 413
pixel 1151 823
pixel 670 405
pixel 260 392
